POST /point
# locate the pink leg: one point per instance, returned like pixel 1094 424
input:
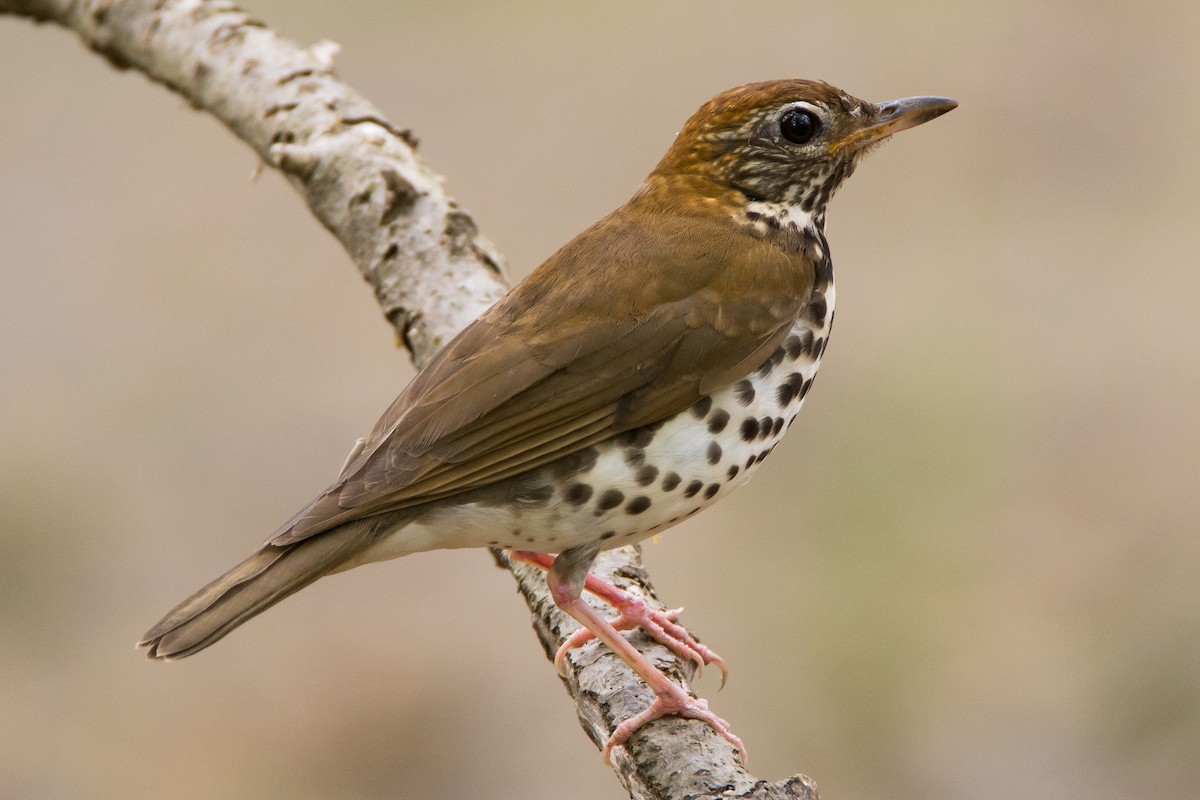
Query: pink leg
pixel 632 613
pixel 669 698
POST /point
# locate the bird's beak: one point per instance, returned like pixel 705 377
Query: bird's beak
pixel 892 117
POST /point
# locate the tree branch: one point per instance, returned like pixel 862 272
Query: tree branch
pixel 432 272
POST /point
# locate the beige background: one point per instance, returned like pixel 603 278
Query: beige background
pixel 972 572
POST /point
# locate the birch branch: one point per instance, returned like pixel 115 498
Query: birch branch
pixel 432 271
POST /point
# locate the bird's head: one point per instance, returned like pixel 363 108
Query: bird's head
pixel 786 144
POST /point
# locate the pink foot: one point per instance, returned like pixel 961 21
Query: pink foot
pixel 658 625
pixel 631 613
pixel 673 701
pixel 669 698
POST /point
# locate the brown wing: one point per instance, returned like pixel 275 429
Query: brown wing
pixel 631 322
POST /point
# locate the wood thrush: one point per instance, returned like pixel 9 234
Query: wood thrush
pixel 635 377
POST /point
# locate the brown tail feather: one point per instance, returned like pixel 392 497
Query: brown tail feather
pixel 252 587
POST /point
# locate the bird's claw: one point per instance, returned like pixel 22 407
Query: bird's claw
pixel 660 626
pixel 672 634
pixel 679 703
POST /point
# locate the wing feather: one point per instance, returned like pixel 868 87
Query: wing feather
pixel 601 338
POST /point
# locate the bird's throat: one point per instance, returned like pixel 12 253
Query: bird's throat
pixel 764 217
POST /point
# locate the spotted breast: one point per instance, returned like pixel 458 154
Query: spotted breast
pixel 648 479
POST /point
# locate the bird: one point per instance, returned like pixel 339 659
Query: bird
pixel 634 378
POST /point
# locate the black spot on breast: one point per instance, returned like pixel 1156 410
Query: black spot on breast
pixel 750 462
pixel 711 490
pixel 733 471
pixel 824 344
pixel 806 344
pixel 771 363
pixel 789 389
pixel 670 481
pixel 646 475
pixel 823 276
pixel 816 309
pixel 749 429
pixel 693 488
pixel 764 427
pixel 744 392
pixel 819 347
pixel 804 389
pixel 777 426
pixel 645 434
pixel 718 421
pixel 634 456
pixel 701 407
pixel 578 493
pixel 637 505
pixel 611 498
pixel 638 437
pixel 714 452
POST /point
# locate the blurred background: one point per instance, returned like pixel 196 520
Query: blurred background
pixel 973 570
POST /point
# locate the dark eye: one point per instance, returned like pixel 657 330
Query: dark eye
pixel 799 125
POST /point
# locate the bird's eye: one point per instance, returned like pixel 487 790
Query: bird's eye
pixel 799 125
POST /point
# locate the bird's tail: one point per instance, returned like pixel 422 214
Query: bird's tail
pixel 253 586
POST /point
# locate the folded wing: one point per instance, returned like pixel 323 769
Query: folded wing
pixel 628 324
